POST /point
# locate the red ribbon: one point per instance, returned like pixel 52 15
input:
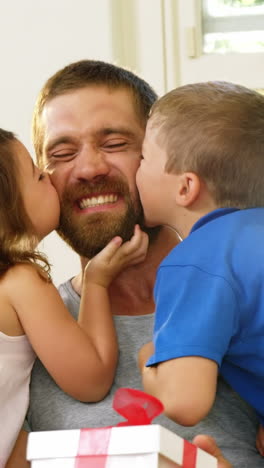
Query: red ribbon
pixel 93 441
pixel 189 455
pixel 139 408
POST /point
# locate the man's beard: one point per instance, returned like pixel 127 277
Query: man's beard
pixel 88 234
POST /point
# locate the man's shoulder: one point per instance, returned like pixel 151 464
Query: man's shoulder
pixel 65 286
pixel 70 297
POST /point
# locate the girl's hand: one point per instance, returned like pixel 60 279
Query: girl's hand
pixel 106 265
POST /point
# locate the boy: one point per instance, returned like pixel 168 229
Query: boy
pixel 201 174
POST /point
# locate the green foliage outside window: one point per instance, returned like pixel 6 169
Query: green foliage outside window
pixel 243 3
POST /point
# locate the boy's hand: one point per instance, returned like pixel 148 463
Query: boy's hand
pixel 209 445
pixel 144 354
pixel 116 256
pixel 260 440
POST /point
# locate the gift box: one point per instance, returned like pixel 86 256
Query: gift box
pixel 134 443
pixel 150 446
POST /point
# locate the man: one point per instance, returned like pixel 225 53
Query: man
pixel 88 128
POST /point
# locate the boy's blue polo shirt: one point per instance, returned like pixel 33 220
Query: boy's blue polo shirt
pixel 209 296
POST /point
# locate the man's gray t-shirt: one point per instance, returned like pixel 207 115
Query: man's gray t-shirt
pixel 231 421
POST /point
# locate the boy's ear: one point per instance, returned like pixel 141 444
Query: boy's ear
pixel 188 190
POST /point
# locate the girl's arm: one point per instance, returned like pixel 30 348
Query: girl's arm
pixel 81 357
pixel 98 275
pixel 186 386
pixel 18 455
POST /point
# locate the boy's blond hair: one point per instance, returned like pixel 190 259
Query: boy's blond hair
pixel 215 129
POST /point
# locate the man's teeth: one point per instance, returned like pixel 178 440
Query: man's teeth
pixel 95 201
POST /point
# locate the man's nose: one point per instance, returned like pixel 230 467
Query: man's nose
pixel 90 164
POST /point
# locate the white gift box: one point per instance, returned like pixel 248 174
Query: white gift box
pixel 148 446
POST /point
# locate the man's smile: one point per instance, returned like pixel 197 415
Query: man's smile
pixel 93 201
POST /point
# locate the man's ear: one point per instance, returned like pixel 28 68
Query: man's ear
pixel 188 189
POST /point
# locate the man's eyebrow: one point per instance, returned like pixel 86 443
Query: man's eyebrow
pixel 110 130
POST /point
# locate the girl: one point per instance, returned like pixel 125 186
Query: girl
pixel 80 356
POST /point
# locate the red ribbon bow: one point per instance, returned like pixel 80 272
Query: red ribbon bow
pixel 139 408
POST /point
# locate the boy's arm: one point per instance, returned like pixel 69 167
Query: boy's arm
pixel 186 386
pixel 209 445
pixel 192 331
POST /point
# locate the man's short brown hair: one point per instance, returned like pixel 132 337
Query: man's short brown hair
pixel 84 73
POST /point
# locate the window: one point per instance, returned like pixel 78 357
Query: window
pixel 221 40
pixel 233 26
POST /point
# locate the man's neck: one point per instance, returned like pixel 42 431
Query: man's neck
pixel 131 293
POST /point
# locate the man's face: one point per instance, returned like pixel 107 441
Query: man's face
pixel 92 145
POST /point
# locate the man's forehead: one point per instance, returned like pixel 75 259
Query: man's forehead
pixel 93 94
pixel 78 106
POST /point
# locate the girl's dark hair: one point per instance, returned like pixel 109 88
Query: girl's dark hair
pixel 17 237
